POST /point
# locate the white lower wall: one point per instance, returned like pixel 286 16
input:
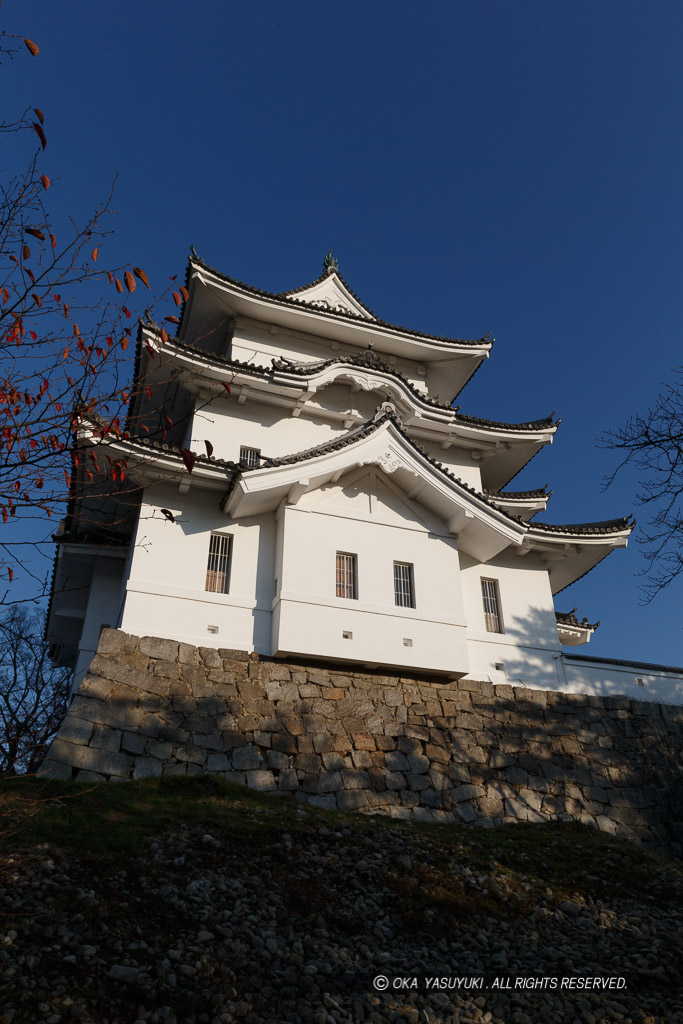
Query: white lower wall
pixel 610 678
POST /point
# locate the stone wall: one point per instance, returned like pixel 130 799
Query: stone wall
pixel 405 746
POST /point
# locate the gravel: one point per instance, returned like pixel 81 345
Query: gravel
pixel 211 927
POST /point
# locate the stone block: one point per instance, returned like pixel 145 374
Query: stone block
pixel 363 741
pixel 307 763
pixel 133 742
pixel 106 739
pixel 174 769
pixel 361 758
pixel 418 763
pixel 261 780
pixel 95 686
pixel 87 776
pixel 155 647
pixel 329 782
pixel 208 741
pixel 467 792
pixel 352 799
pixel 304 745
pixel 417 782
pixel 276 761
pixel 396 761
pixel 395 780
pixel 161 750
pixel 286 744
pixel 246 758
pixel 77 730
pixel 51 769
pixel 104 762
pixel 355 778
pixel 111 641
pixel 409 745
pixel 210 657
pixel 288 780
pixel 146 767
pixel 191 754
pixel 137 660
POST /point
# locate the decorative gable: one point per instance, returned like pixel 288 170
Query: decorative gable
pixel 331 293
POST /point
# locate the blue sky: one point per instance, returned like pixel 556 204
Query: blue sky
pixel 503 167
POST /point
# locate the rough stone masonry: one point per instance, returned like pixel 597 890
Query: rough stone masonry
pixel 403 745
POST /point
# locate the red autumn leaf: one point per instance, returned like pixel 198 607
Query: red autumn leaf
pixel 209 448
pixel 38 301
pixel 65 353
pixel 5 296
pixel 110 276
pixel 169 420
pixel 39 114
pixel 67 477
pixel 173 319
pixel 127 312
pixel 119 286
pixel 227 388
pixel 139 272
pixel 163 334
pixel 46 181
pixel 10 573
pixel 5 516
pixel 144 427
pixel 148 391
pixel 14 259
pixel 37 233
pixel 130 281
pixel 32 47
pixel 173 278
pixel 169 515
pixel 40 133
pixel 177 298
pixel 95 253
pixel 53 240
pixel 124 343
pixel 26 253
pixel 184 292
pixel 189 458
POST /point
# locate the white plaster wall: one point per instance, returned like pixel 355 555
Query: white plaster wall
pixel 104 604
pixel 259 345
pixel 456 460
pixel 228 425
pixel 165 593
pixel 529 642
pixel 609 679
pixel 374 522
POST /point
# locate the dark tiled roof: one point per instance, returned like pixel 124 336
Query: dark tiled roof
pixel 543 424
pixel 587 529
pixel 646 665
pixel 540 492
pixel 369 360
pixel 283 298
pixel 570 619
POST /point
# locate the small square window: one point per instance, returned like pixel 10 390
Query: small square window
pixel 347 575
pixel 492 610
pixel 218 565
pixel 250 457
pixel 404 585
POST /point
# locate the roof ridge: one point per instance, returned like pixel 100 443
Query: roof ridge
pixel 326 274
pixel 284 298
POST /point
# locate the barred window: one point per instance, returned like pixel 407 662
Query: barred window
pixel 218 566
pixel 492 609
pixel 250 457
pixel 347 575
pixel 404 586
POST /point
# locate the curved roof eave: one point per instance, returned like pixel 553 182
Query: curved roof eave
pixel 283 300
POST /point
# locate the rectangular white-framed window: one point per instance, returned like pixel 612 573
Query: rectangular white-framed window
pixel 250 457
pixel 493 615
pixel 404 585
pixel 218 565
pixel 347 575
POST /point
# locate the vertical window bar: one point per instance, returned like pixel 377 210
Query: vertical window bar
pixel 491 599
pixel 346 575
pixel 218 566
pixel 404 591
pixel 250 457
